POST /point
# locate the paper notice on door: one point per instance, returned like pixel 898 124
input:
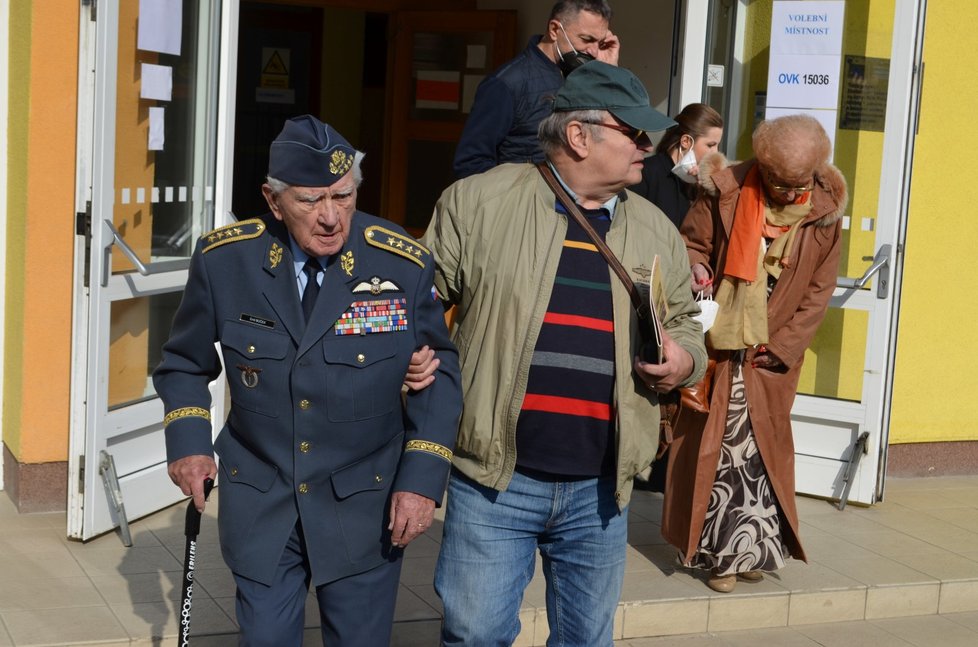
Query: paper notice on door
pixel 156 82
pixel 156 123
pixel 160 25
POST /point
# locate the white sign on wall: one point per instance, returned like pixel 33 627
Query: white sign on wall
pixel 806 60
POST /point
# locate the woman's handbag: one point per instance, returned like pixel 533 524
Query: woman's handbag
pixel 697 397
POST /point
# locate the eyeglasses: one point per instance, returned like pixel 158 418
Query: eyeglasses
pixel 637 135
pixel 790 189
pixel 777 188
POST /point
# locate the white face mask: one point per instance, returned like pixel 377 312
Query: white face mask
pixel 708 311
pixel 681 170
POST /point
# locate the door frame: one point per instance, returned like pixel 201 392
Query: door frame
pixel 93 170
pixel 872 413
pixel 4 114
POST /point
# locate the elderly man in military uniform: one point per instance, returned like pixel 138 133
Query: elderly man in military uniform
pixel 327 470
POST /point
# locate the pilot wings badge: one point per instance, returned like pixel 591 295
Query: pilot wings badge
pixel 376 285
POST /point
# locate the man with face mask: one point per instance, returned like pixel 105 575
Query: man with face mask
pixel 512 101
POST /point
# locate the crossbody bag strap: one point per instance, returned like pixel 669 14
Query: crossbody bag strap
pixel 571 207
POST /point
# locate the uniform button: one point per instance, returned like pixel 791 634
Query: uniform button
pixel 303 488
pixel 378 478
pixel 234 471
pixel 304 404
pixel 304 362
pixel 361 358
pixel 304 447
pixel 251 349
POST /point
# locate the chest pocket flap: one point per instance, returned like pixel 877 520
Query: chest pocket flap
pixel 252 341
pixel 241 466
pixel 359 351
pixel 374 472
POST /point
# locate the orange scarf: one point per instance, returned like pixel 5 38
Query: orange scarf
pixel 745 238
pixel 748 227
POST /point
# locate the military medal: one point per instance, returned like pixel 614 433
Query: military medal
pixel 375 316
pixel 249 375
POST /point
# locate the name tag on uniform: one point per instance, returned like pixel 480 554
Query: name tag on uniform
pixel 258 321
pixel 379 315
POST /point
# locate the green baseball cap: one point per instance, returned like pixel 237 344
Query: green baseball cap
pixel 599 86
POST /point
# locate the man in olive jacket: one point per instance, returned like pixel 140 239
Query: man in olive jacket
pixel 559 414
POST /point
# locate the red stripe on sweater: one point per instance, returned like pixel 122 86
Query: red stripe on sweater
pixel 568 406
pixel 581 322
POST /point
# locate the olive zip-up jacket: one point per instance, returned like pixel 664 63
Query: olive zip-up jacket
pixel 497 240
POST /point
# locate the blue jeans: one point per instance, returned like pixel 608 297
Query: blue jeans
pixel 487 558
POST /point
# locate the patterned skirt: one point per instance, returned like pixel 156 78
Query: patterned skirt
pixel 742 531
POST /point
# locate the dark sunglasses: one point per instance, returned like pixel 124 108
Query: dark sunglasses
pixel 637 135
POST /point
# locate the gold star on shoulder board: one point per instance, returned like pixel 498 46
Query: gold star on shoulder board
pixel 396 243
pixel 244 230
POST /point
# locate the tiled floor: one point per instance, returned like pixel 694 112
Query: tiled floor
pixel 904 572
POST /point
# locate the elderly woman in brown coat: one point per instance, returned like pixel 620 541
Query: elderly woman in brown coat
pixel 765 240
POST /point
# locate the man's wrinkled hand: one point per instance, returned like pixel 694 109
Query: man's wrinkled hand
pixel 411 514
pixel 189 472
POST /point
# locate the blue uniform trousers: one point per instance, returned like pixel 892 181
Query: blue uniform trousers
pixel 355 611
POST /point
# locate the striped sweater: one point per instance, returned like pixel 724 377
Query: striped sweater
pixel 566 424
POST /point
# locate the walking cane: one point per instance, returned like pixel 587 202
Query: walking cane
pixel 191 529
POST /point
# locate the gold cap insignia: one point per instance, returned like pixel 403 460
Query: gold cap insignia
pixel 340 163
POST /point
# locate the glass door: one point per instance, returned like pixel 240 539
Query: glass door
pixel 842 409
pixel 152 118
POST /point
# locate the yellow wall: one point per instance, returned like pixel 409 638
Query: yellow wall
pixel 40 228
pixel 937 347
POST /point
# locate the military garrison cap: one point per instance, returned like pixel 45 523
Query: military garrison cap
pixel 309 153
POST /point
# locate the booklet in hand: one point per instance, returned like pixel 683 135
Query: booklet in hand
pixel 654 310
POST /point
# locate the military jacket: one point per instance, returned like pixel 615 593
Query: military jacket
pixel 318 429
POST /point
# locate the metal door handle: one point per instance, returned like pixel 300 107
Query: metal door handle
pixel 881 264
pixel 146 269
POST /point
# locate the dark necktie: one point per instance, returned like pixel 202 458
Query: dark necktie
pixel 312 268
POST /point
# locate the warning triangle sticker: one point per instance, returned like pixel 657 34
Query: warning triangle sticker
pixel 275 65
